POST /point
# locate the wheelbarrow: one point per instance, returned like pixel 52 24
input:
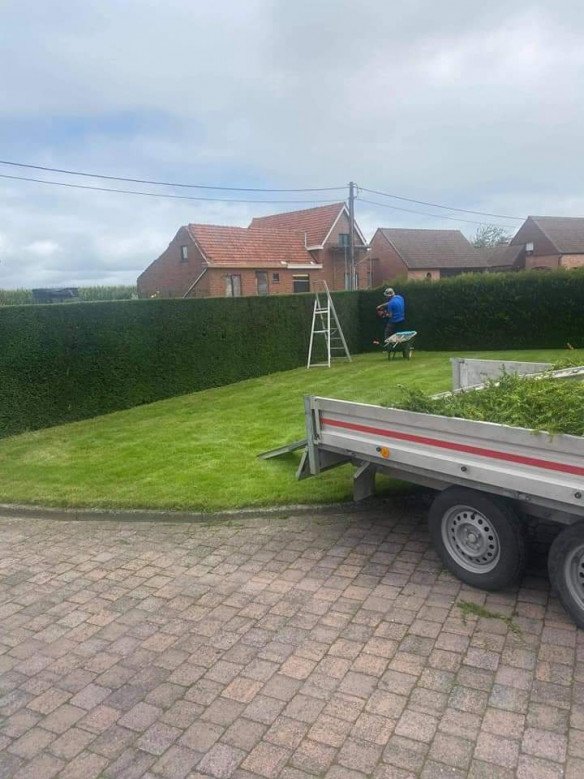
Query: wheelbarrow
pixel 400 342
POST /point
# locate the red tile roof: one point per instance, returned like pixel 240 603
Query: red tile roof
pixel 249 246
pixel 315 222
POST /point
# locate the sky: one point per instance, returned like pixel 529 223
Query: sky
pixel 476 105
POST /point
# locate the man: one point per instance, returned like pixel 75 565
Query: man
pixel 394 310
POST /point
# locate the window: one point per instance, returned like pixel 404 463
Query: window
pixel 232 286
pixel 276 278
pixel 262 282
pixel 344 239
pixel 184 253
pixel 301 283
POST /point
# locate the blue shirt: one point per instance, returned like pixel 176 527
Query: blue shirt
pixel 396 308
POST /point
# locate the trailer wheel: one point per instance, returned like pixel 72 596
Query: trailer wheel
pixel 479 538
pixel 566 570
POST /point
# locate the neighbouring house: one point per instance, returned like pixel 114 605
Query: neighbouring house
pixel 551 242
pixel 277 254
pixel 423 254
pixel 326 229
pixel 504 257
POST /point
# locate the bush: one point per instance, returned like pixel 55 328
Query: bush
pixel 527 310
pixel 63 362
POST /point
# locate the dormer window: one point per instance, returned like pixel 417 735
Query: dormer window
pixel 184 253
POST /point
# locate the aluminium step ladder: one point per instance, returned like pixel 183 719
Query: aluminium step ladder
pixel 325 322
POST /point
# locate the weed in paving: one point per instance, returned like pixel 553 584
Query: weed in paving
pixel 468 608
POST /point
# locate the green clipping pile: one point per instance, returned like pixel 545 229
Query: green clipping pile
pixel 551 405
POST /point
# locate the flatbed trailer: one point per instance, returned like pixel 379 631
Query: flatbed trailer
pixel 490 479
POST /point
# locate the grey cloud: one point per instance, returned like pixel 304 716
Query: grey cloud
pixel 470 103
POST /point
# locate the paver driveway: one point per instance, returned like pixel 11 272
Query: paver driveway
pixel 308 646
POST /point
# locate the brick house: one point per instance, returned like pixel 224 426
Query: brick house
pixel 278 254
pixel 423 254
pixel 551 242
pixel 327 240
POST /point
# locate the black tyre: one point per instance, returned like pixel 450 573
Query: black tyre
pixel 566 570
pixel 479 538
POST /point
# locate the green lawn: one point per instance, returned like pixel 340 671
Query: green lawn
pixel 199 451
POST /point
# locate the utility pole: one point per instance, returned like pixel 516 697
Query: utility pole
pixel 351 235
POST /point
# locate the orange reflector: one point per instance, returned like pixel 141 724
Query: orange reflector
pixel 384 451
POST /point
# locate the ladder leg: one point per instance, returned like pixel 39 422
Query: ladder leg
pixel 312 333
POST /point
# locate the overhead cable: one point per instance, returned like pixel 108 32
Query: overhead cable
pixel 164 183
pixel 158 194
pixel 425 213
pixel 437 205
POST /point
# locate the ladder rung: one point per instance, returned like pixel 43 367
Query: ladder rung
pixel 329 326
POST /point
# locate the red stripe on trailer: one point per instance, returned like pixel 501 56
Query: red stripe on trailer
pixel 467 449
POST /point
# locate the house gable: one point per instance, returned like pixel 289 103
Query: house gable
pixel 387 264
pixel 531 232
pixel 171 274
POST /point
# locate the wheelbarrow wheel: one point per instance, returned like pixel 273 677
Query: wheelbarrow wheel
pixel 407 353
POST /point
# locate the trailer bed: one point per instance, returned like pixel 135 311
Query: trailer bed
pixel 543 472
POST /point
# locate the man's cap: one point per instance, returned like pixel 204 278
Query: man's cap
pixel 389 293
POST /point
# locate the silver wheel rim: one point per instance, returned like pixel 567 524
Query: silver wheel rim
pixel 471 539
pixel 574 574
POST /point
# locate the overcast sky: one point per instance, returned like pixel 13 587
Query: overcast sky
pixel 470 104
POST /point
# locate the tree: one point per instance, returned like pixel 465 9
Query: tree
pixel 490 235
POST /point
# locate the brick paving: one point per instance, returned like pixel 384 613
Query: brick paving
pixel 326 645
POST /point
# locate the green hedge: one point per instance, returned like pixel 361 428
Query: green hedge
pixel 63 362
pixel 526 310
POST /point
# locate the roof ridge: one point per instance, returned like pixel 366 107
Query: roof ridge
pixel 340 204
pixel 225 227
pixel 423 229
pixel 531 216
pixel 266 229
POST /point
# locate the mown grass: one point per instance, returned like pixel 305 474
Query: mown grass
pixel 199 451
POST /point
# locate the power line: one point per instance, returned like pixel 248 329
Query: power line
pixel 437 205
pixel 157 194
pixel 238 189
pixel 423 213
pixel 164 183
